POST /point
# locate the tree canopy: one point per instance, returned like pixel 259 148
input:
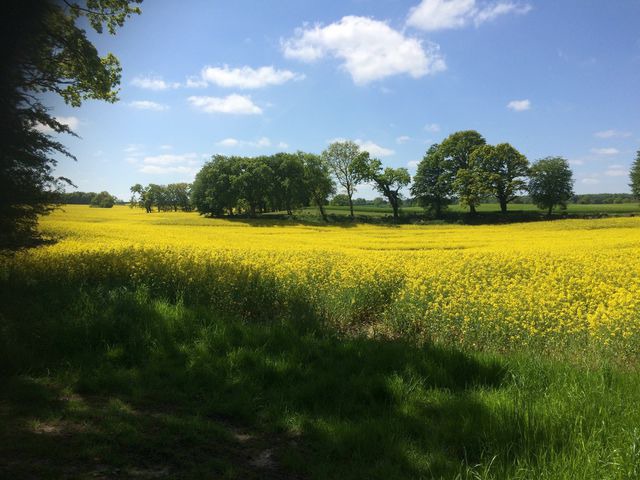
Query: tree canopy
pixel 550 183
pixel 634 175
pixel 45 51
pixel 342 158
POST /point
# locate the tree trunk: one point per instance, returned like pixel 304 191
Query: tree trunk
pixel 322 212
pixel 472 209
pixel 550 210
pixel 351 206
pixel 394 205
pixel 503 205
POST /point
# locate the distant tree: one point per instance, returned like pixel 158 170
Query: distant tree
pixel 433 181
pixel 178 196
pixel 550 183
pixel 340 200
pixel 318 182
pixel 469 184
pixel 254 183
pixel 504 168
pixel 388 181
pixel 103 200
pixel 634 175
pixel 379 202
pixel 215 189
pixel 45 50
pixel 341 158
pixel 290 180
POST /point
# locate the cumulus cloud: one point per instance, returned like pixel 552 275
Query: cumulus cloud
pixel 231 104
pixel 590 181
pixel 186 163
pixel 616 171
pixel 433 15
pixel 228 142
pixel 369 49
pixel 413 164
pixel 148 105
pixel 153 83
pixel 262 142
pixel 402 139
pixel 611 134
pixel 432 128
pixel 373 148
pixel 576 162
pixel 519 105
pixel 605 151
pixel 244 77
pixel 72 122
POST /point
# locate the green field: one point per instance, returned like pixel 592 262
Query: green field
pixel 492 208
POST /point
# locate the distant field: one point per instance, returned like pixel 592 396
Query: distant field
pixel 169 345
pixel 365 210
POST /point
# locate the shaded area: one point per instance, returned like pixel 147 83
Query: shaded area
pixel 112 383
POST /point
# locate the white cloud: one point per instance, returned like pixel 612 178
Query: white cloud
pixel 432 15
pixel 519 105
pixel 232 104
pixel 616 171
pixel 166 147
pixel 72 122
pixel 153 83
pixel 413 164
pixel 262 142
pixel 168 159
pixel 576 162
pixel 605 151
pixel 370 49
pixel 402 139
pixel 155 169
pixel 590 181
pixel 432 127
pixel 612 134
pixel 186 163
pixel 373 148
pixel 148 105
pixel 228 142
pixel 245 77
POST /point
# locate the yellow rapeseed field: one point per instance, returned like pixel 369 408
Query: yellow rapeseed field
pixel 547 284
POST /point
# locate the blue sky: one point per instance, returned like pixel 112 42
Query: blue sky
pixel 255 77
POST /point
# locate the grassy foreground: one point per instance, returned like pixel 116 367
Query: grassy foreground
pixel 112 383
pixel 171 346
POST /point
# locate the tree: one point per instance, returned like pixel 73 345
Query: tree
pixel 468 182
pixel 634 174
pixel 341 158
pixel 388 181
pixel 504 169
pixel 318 182
pixel 103 200
pixel 215 189
pixel 550 183
pixel 178 196
pixel 433 181
pixel 43 50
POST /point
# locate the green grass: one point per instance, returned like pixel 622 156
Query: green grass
pixel 516 210
pixel 104 381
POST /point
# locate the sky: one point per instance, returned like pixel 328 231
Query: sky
pixel 205 77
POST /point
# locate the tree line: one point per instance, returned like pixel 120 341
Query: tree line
pixel 174 196
pixel 463 169
pixel 466 168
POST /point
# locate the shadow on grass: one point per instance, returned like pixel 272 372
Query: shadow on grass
pixel 124 384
